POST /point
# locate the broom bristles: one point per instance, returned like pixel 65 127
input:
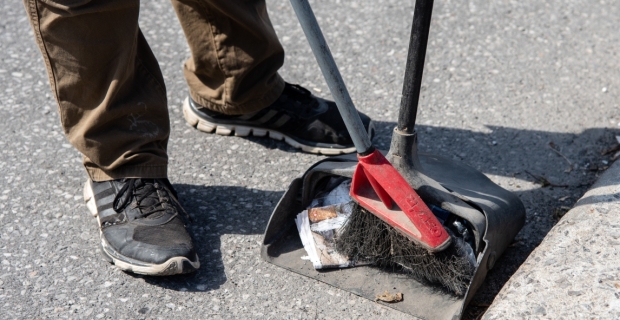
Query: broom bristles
pixel 366 238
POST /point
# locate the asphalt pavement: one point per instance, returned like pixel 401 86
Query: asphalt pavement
pixel 524 91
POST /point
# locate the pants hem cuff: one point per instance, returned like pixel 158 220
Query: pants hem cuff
pixel 266 100
pixel 152 172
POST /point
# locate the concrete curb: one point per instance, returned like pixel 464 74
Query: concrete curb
pixel 575 272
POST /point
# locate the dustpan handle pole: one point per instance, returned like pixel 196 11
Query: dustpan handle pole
pixel 415 65
pixel 332 76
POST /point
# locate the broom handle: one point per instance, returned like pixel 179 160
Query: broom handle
pixel 415 65
pixel 332 76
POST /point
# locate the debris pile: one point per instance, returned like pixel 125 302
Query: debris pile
pixel 332 242
pixel 319 225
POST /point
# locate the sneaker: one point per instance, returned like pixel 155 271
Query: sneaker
pixel 140 227
pixel 302 120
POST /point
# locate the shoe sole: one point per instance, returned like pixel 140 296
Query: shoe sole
pixel 243 131
pixel 175 265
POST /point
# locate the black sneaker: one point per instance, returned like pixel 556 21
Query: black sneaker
pixel 300 119
pixel 140 226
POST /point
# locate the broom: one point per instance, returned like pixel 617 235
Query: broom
pixel 367 238
pixel 407 234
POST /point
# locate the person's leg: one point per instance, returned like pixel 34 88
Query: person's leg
pixel 235 54
pixel 234 85
pixel 112 105
pixel 107 83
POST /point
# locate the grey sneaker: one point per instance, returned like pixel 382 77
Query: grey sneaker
pixel 140 226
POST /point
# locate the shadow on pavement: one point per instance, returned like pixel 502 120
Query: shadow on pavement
pixel 216 211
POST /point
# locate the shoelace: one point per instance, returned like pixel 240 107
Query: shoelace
pixel 303 90
pixel 148 190
pixel 302 95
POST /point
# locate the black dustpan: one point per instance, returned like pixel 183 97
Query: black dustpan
pixel 504 216
pixel 494 214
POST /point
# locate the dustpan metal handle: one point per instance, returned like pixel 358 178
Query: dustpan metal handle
pixel 415 65
pixel 336 85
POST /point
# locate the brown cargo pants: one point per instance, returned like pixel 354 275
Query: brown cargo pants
pixel 111 92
